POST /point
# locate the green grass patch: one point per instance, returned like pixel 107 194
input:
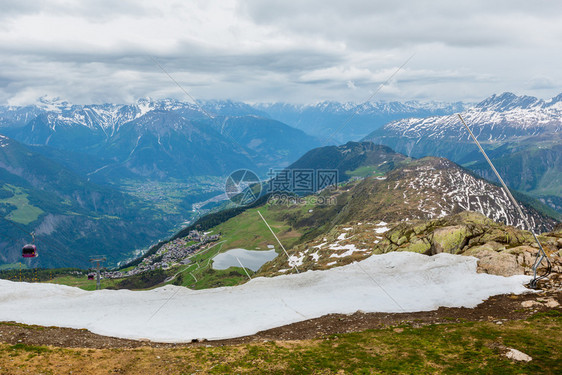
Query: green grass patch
pixel 467 348
pixel 30 348
pixel 143 280
pixel 82 282
pixel 365 171
pixel 13 266
pixel 212 278
pixel 24 213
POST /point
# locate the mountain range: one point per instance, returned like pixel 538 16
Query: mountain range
pixel 338 123
pixel 339 225
pixel 115 178
pixel 156 140
pixel 406 189
pixel 521 134
pixel 118 170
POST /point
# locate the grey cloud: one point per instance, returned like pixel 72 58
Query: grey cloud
pixel 186 56
pixel 378 24
pixel 465 50
pixel 541 83
pixel 93 10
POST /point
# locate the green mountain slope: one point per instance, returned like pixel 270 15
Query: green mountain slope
pixel 317 229
pixel 71 217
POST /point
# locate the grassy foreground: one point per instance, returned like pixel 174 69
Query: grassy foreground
pixel 470 347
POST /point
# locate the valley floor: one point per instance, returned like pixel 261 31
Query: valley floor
pixel 447 340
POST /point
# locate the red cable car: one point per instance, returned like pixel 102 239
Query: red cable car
pixel 91 276
pixel 29 251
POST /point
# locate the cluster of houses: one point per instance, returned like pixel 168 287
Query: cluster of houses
pixel 170 254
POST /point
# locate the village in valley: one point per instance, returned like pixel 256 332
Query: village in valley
pixel 172 253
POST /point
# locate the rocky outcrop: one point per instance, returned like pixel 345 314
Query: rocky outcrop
pixel 500 249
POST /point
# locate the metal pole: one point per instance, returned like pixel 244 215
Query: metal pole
pixel 97 261
pixel 98 283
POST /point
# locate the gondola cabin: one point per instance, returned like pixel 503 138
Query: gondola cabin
pixel 29 251
pixel 91 276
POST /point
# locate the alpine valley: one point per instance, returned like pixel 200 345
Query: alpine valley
pixel 113 179
pixel 385 202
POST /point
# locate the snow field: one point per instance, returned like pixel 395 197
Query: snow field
pixel 175 314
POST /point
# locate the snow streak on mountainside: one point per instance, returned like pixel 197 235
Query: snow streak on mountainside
pixel 521 134
pixel 433 188
pixel 107 117
pixel 4 141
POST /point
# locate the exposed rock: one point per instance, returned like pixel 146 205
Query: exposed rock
pixel 502 264
pixel 525 255
pixel 530 303
pixel 449 239
pixel 517 355
pixel 417 245
pixel 501 250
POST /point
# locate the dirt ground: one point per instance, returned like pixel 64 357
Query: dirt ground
pixel 497 309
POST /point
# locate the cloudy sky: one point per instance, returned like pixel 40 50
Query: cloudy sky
pixel 296 51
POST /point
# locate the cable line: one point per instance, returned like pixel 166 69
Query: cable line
pixel 541 254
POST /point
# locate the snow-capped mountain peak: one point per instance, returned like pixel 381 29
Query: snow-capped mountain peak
pixel 52 104
pixel 508 101
pixel 495 118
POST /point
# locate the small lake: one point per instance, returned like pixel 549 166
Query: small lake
pixel 251 259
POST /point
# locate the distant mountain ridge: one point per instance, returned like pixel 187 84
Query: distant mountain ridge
pixel 158 139
pixel 330 120
pixel 348 158
pixel 521 134
pixel 396 188
pixel 496 118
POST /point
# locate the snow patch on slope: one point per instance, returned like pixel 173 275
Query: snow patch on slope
pixel 175 314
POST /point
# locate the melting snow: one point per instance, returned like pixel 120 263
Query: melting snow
pixel 175 314
pixel 296 261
